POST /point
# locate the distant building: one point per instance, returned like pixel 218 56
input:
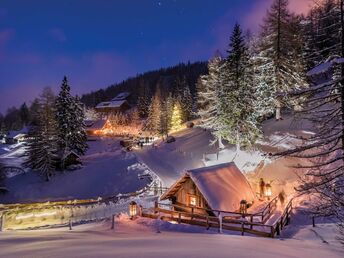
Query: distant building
pixel 17 136
pixel 95 127
pixel 117 104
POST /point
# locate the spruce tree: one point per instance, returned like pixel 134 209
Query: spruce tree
pixel 153 123
pixel 42 146
pixel 143 99
pixel 70 120
pixel 176 118
pixel 237 114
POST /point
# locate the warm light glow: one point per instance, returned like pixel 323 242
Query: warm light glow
pixel 176 120
pixel 193 201
pixel 132 209
pixel 30 215
pixel 268 190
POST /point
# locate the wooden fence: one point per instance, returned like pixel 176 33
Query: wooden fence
pixel 244 223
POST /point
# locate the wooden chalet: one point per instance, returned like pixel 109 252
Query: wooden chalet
pixel 219 187
pixel 119 104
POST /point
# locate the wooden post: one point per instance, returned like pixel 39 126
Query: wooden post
pixel 156 205
pixel 220 223
pixel 313 221
pixel 242 228
pixel 272 232
pixel 192 211
pixel 158 224
pixel 278 228
pixel 251 220
pixel 113 222
pixel 70 224
pixel 179 218
pixel 2 223
pixel 208 226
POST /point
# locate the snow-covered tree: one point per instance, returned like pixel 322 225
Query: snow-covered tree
pixel 70 120
pixel 324 151
pixel 166 115
pixel 42 146
pixel 176 118
pixel 144 99
pixel 186 103
pixel 153 123
pixel 281 53
pixel 237 114
pixel 208 94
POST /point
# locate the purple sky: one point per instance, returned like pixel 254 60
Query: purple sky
pixel 98 43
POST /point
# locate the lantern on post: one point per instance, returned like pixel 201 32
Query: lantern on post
pixel 132 210
pixel 243 207
pixel 268 191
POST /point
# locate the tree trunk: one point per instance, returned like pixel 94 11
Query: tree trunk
pixel 342 68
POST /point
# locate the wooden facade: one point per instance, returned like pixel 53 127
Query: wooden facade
pixel 189 195
pixel 203 190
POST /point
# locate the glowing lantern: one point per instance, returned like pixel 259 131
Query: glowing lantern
pixel 243 206
pixel 132 209
pixel 268 191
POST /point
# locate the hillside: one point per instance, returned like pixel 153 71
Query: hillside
pixel 164 77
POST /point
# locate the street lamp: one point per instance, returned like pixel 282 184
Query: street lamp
pixel 243 207
pixel 132 209
pixel 268 191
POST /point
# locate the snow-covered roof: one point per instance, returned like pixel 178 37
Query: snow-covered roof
pixel 95 124
pixel 325 67
pixel 121 96
pixel 16 134
pixel 223 186
pixel 111 104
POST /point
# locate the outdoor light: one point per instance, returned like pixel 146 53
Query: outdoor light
pixel 268 191
pixel 243 206
pixel 132 209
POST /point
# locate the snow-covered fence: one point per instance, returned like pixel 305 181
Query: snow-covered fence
pixel 245 223
pixel 35 215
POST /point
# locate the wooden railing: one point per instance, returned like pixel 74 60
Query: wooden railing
pixel 244 223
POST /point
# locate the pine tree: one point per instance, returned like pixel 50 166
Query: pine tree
pixel 186 104
pixel 143 99
pixel 237 114
pixel 42 144
pixel 176 118
pixel 153 123
pixel 70 119
pixel 209 88
pixel 280 48
pixel 323 181
pixel 24 114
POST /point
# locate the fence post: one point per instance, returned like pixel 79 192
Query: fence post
pixel 242 228
pixel 272 232
pixel 278 228
pixel 208 222
pixel 251 220
pixel 192 211
pixel 220 223
pixel 179 217
pixel 70 224
pixel 2 223
pixel 113 222
pixel 313 221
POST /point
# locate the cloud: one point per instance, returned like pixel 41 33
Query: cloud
pixel 58 35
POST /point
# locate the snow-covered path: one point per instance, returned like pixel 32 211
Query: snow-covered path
pixel 139 239
pixel 169 161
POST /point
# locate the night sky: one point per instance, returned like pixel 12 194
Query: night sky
pixel 97 43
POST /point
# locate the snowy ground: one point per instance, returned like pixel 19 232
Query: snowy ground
pixel 139 238
pixel 107 171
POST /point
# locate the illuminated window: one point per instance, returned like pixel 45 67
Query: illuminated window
pixel 192 200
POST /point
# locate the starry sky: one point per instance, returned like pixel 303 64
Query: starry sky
pixel 100 42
